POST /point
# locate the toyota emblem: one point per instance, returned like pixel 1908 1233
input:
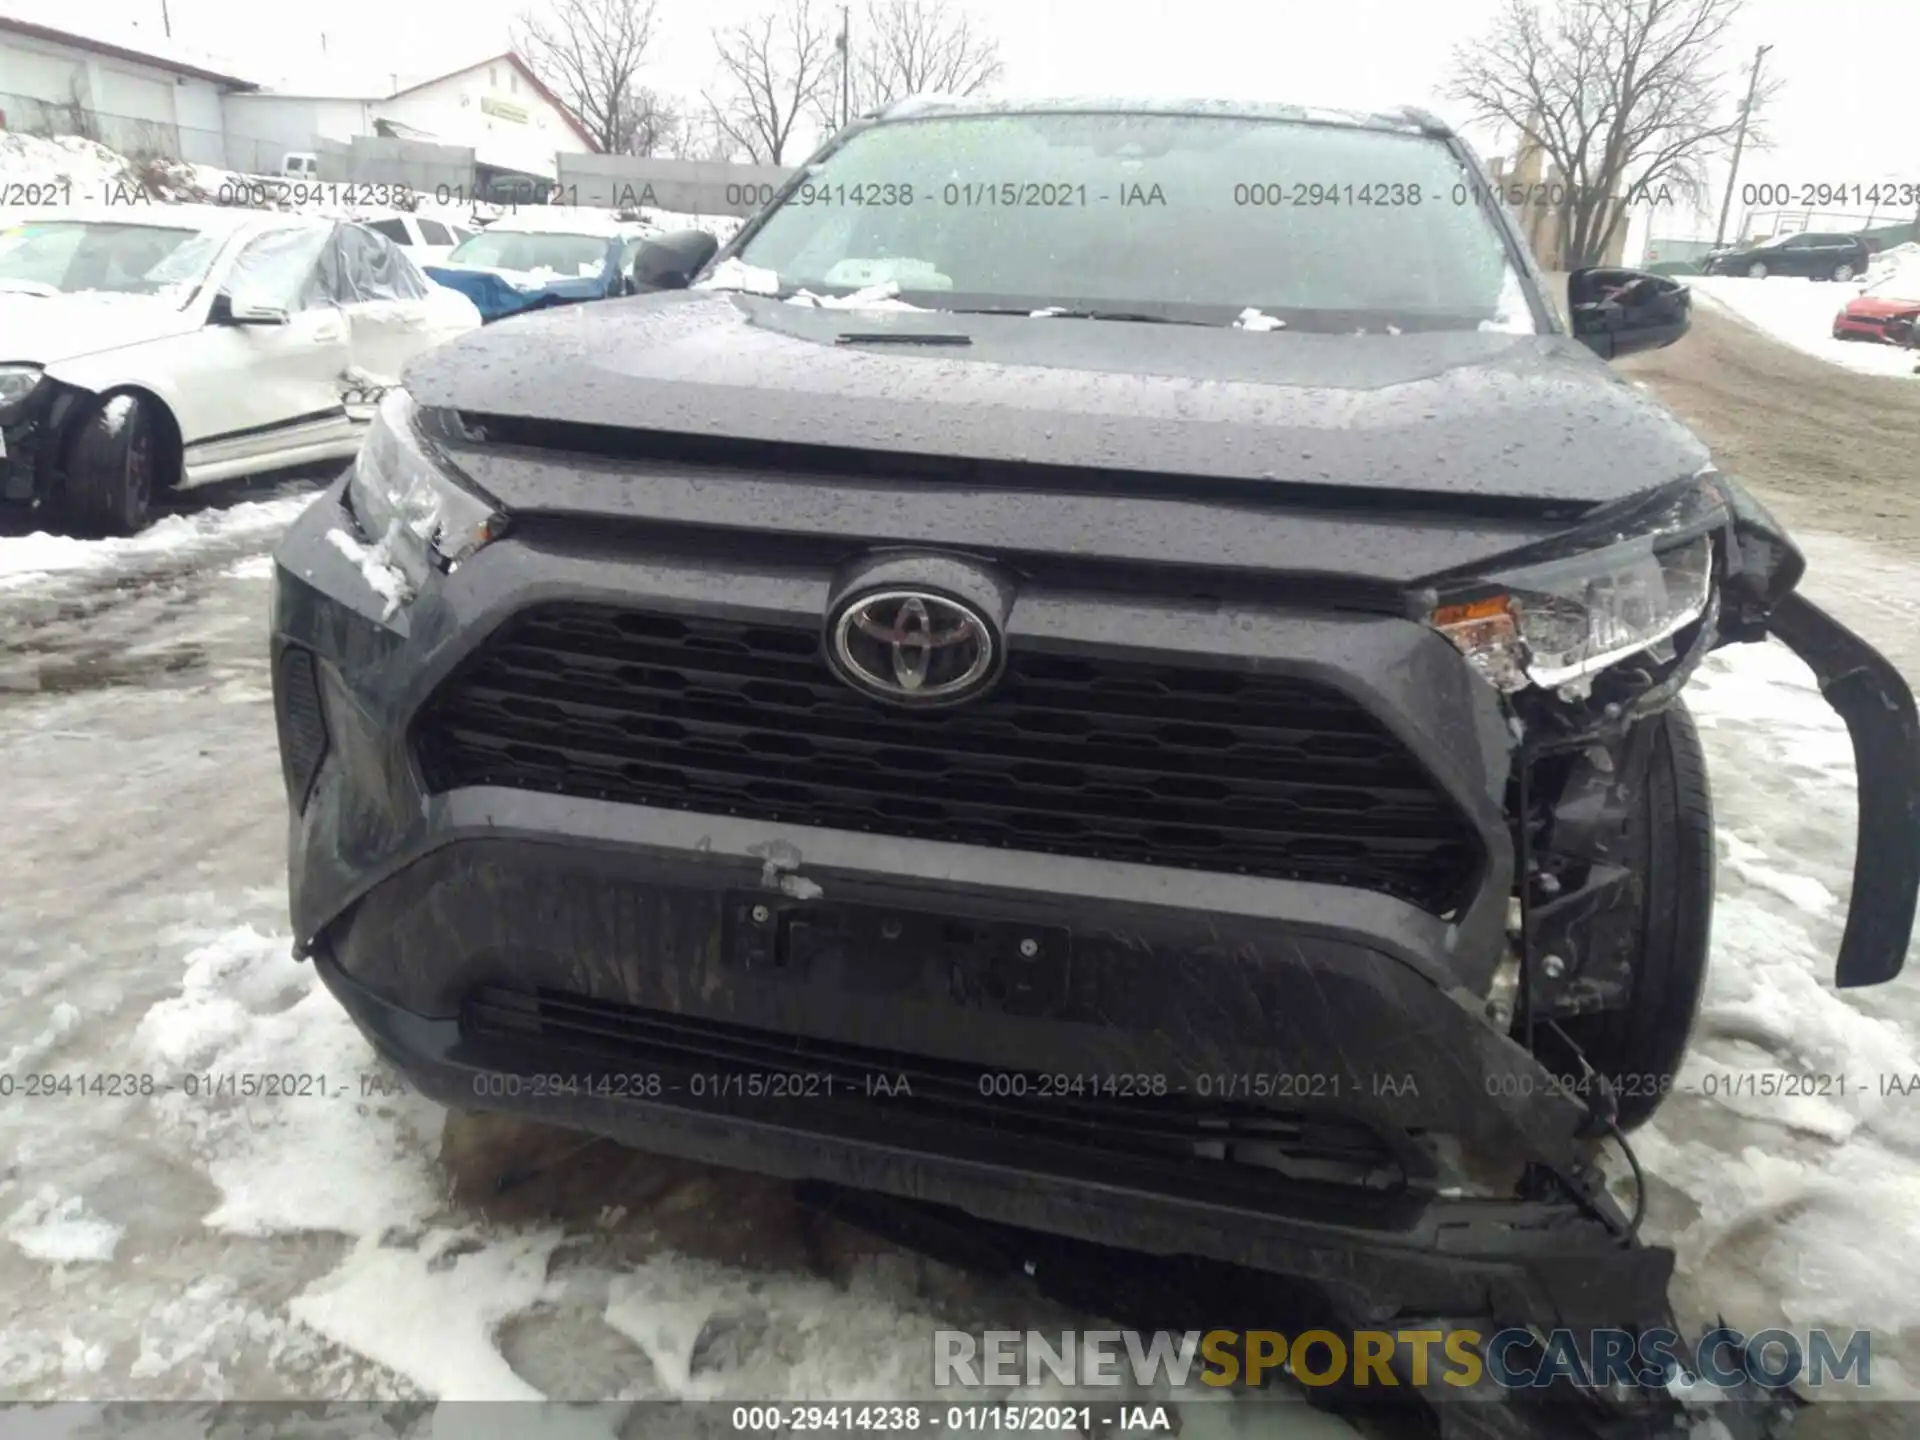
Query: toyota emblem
pixel 912 647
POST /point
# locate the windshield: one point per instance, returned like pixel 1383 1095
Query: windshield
pixel 1180 217
pixel 570 255
pixel 71 256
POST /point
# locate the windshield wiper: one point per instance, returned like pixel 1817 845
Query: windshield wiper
pixel 900 337
pixel 27 287
pixel 1064 312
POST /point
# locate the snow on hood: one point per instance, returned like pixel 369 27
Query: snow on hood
pixel 884 296
pixel 733 273
pixel 44 330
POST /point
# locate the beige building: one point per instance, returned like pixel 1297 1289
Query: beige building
pixel 1538 191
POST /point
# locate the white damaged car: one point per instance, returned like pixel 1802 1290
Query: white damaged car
pixel 145 349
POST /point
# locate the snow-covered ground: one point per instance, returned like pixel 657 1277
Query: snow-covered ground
pixel 1800 313
pixel 177 1247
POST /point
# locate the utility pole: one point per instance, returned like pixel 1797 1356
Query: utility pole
pixel 846 68
pixel 1739 140
pixel 166 20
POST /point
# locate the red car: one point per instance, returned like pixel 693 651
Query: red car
pixel 1889 301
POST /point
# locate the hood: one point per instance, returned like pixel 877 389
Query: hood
pixel 1879 306
pixel 1531 418
pixel 46 330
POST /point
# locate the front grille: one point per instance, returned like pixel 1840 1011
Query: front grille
pixel 623 1051
pixel 1173 765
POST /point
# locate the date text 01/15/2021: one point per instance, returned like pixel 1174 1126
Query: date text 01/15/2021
pixel 705 1085
pixel 1076 1420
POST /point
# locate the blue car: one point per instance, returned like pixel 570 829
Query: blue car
pixel 528 261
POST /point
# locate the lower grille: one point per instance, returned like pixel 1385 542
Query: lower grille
pixel 1175 765
pixel 832 1087
pixel 303 723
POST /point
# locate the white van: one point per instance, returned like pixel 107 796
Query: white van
pixel 300 165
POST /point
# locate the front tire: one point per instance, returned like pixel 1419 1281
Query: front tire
pixel 112 462
pixel 1757 270
pixel 1640 1046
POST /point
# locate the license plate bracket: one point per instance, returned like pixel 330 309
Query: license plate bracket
pixel 1010 967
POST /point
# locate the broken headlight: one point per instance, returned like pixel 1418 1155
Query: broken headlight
pixel 1557 621
pixel 406 500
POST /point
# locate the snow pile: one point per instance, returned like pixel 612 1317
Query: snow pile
pixel 29 559
pixel 1799 313
pixel 1255 319
pixel 1895 260
pixel 89 173
pixel 60 1231
pixel 85 171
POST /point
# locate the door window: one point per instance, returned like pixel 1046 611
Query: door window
pixel 433 232
pixel 281 270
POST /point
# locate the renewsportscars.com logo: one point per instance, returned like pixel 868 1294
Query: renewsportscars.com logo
pixel 1465 1360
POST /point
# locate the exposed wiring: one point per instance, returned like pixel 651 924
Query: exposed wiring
pixel 1639 1181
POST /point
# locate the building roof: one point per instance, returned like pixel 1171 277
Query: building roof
pixel 154 57
pixel 360 84
pixel 540 87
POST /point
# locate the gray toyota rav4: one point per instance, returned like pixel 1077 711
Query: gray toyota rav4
pixel 1113 668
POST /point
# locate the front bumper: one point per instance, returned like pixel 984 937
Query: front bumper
pixel 596 963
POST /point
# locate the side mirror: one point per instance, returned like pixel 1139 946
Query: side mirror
pixel 671 261
pixel 1617 312
pixel 227 311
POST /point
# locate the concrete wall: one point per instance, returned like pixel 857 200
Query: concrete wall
pixel 434 172
pixel 696 187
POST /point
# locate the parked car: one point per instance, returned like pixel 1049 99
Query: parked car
pixel 1129 740
pixel 1883 311
pixel 1818 256
pixel 542 257
pixel 150 350
pixel 427 239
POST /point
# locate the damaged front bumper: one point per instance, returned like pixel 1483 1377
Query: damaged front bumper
pixel 593 963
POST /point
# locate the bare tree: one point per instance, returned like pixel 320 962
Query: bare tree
pixel 772 69
pixel 655 124
pixel 1621 96
pixel 912 47
pixel 590 52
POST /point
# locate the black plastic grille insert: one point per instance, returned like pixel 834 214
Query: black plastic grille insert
pixel 1228 770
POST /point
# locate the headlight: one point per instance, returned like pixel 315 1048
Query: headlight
pixel 1555 622
pixel 408 503
pixel 16 383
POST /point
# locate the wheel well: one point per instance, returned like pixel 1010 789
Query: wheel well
pixel 168 458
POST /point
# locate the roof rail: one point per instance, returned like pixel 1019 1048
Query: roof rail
pixel 1427 120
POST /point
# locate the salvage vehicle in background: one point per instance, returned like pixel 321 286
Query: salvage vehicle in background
pixel 1030 705
pixel 144 351
pixel 1883 310
pixel 544 256
pixel 427 239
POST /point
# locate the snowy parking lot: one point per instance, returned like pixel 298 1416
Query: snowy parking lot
pixel 352 1243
